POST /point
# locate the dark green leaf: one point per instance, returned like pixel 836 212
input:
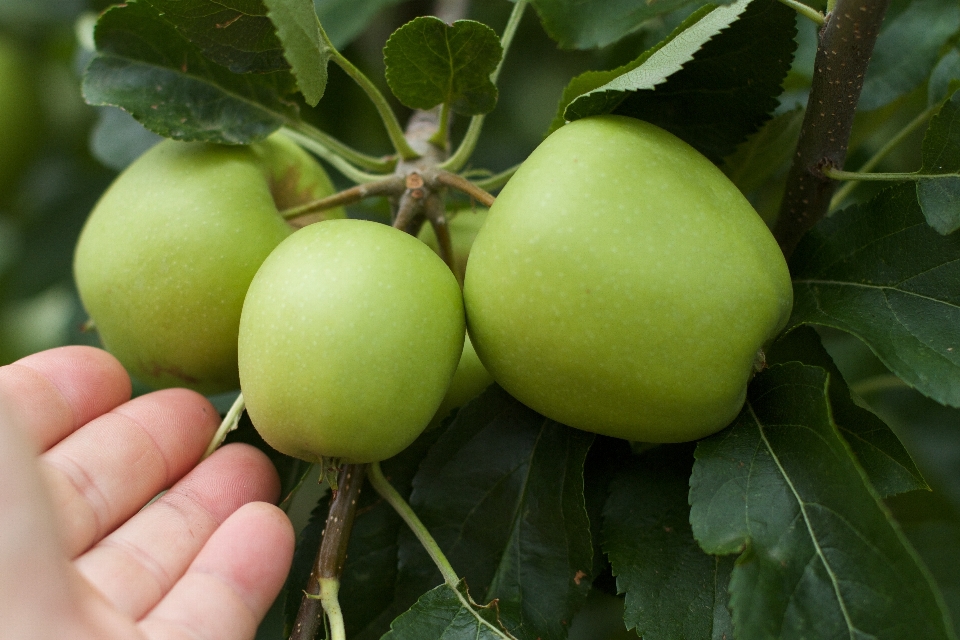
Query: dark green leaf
pixel 907 50
pixel 344 20
pixel 940 197
pixel 765 153
pixel 673 589
pixel 430 62
pixel 588 24
pixel 729 88
pixel 236 34
pixel 502 493
pixel 944 78
pixel 305 46
pixel 596 92
pixel 887 464
pixel 878 271
pixel 445 613
pixel 606 457
pixel 821 557
pixel 146 68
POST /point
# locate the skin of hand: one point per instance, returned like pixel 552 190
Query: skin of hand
pixel 80 555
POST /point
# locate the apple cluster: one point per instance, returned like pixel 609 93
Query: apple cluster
pixel 619 284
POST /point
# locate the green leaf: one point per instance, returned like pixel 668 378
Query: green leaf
pixel 445 613
pixel 765 153
pixel 673 589
pixel 712 82
pixel 878 271
pixel 887 464
pixel 589 24
pixel 907 50
pixel 601 91
pixel 944 78
pixel 146 68
pixel 236 34
pixel 940 197
pixel 820 556
pixel 430 62
pixel 730 87
pixel 502 493
pixel 305 45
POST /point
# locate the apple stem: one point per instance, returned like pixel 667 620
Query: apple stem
pixel 383 487
pixel 392 186
pixel 321 593
pixel 846 45
pixel 229 423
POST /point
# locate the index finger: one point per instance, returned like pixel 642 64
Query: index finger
pixel 51 394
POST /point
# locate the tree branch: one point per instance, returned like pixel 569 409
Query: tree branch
pixel 846 44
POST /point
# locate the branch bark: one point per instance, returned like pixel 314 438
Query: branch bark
pixel 846 44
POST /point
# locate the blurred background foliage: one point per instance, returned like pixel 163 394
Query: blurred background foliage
pixel 57 155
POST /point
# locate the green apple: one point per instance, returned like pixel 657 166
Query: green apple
pixel 469 381
pixel 20 121
pixel 166 256
pixel 622 285
pixel 464 226
pixel 350 334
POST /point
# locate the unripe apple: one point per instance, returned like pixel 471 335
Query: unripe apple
pixel 20 120
pixel 469 381
pixel 622 285
pixel 464 227
pixel 350 334
pixel 165 259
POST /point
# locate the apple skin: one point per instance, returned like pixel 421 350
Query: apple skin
pixel 350 335
pixel 20 119
pixel 165 258
pixel 622 285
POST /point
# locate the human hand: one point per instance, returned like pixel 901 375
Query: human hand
pixel 79 558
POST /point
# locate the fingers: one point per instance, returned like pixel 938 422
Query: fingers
pixel 52 394
pixel 229 587
pixel 135 566
pixel 102 474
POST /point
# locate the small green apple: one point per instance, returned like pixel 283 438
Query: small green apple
pixel 165 259
pixel 350 334
pixel 622 285
pixel 464 226
pixel 20 120
pixel 469 381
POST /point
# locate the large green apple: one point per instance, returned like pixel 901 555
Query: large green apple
pixel 350 334
pixel 20 121
pixel 165 259
pixel 622 285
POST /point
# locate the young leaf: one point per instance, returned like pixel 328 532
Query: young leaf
pixel 673 589
pixel 146 68
pixel 305 45
pixel 907 50
pixel 515 526
pixel 590 24
pixel 878 271
pixel 445 613
pixel 887 464
pixel 233 33
pixel 430 62
pixel 821 557
pixel 712 83
pixel 940 197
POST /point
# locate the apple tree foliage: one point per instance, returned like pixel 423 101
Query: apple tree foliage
pixel 829 508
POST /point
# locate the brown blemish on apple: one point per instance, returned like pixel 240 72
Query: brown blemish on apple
pixel 157 370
